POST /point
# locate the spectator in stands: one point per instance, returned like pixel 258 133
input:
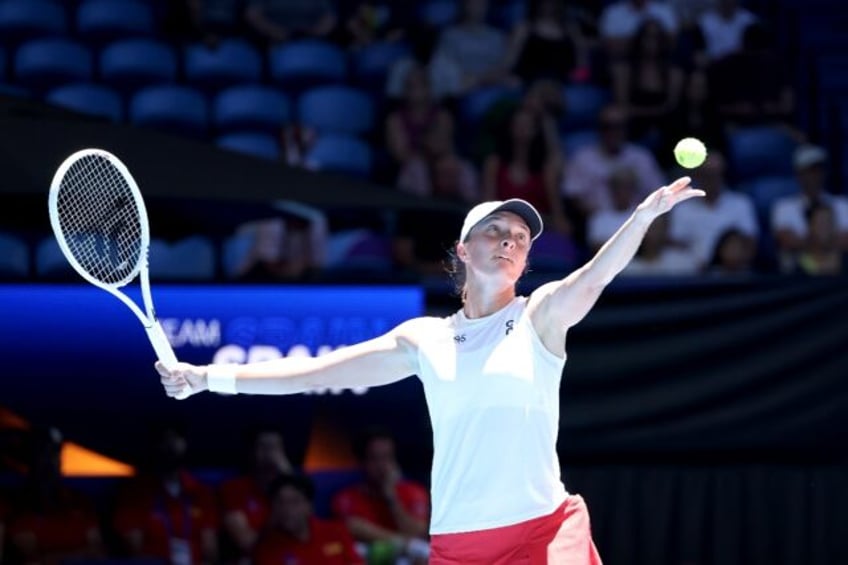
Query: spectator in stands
pixel 659 256
pixel 543 99
pixel 648 85
pixel 472 49
pixel 167 513
pixel 789 220
pixel 295 536
pixel 820 253
pixel 244 499
pixel 586 179
pixel 417 113
pixel 52 522
pixel 275 21
pixel 698 225
pixel 525 166
pixel 733 255
pixel 384 506
pixel 548 46
pixel 438 171
pixel 621 19
pixel 423 45
pixel 722 29
pixel 751 86
pixel 288 246
pixel 604 223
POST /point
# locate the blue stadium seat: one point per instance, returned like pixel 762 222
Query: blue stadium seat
pixel 476 103
pixel 438 13
pixel 583 104
pixel 305 63
pixel 50 262
pixel 759 151
pixel 230 62
pixel 41 64
pixel 234 250
pixel 254 143
pixel 190 258
pixel 764 191
pixel 177 109
pixel 88 98
pixel 340 153
pixel 130 64
pixel 371 63
pixel 22 20
pixel 14 256
pixel 253 107
pixel 102 21
pixel 336 109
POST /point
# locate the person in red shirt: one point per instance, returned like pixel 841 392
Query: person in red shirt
pixel 244 499
pixel 384 507
pixel 167 513
pixel 51 522
pixel 294 536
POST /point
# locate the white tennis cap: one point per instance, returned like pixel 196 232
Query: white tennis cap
pixel 517 206
pixel 808 155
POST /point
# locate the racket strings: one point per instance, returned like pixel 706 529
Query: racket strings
pixel 100 220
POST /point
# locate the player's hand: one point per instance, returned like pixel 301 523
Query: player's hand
pixel 667 197
pixel 182 380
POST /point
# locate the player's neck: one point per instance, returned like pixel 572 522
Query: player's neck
pixel 479 303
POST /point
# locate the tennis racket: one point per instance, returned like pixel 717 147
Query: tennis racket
pixel 99 219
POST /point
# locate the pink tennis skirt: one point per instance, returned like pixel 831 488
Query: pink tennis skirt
pixel 563 537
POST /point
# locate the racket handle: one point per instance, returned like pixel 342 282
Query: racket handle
pixel 165 352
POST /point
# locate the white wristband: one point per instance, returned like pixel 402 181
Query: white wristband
pixel 221 378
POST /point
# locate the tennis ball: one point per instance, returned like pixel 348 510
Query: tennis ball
pixel 690 152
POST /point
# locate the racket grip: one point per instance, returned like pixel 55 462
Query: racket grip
pixel 161 345
pixel 165 352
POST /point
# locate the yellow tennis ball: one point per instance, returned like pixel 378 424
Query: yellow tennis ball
pixel 690 152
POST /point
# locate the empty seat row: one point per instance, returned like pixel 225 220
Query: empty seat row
pixel 325 109
pixel 127 64
pixel 92 21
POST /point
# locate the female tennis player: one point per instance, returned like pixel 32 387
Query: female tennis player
pixel 491 374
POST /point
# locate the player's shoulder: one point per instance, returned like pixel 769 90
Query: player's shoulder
pixel 419 328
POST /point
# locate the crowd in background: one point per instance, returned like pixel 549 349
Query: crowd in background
pixel 573 105
pixel 266 511
pixel 670 69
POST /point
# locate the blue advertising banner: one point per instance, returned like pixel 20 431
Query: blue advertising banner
pixel 76 356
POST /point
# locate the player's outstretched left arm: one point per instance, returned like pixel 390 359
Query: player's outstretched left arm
pixel 379 361
pixel 561 304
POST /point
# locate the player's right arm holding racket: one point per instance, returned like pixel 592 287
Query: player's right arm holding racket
pixel 378 361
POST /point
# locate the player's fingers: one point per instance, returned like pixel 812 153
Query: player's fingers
pixel 679 184
pixel 691 193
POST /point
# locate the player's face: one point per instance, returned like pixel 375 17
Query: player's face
pixel 499 245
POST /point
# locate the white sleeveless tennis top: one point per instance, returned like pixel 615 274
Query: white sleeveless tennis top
pixel 492 389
